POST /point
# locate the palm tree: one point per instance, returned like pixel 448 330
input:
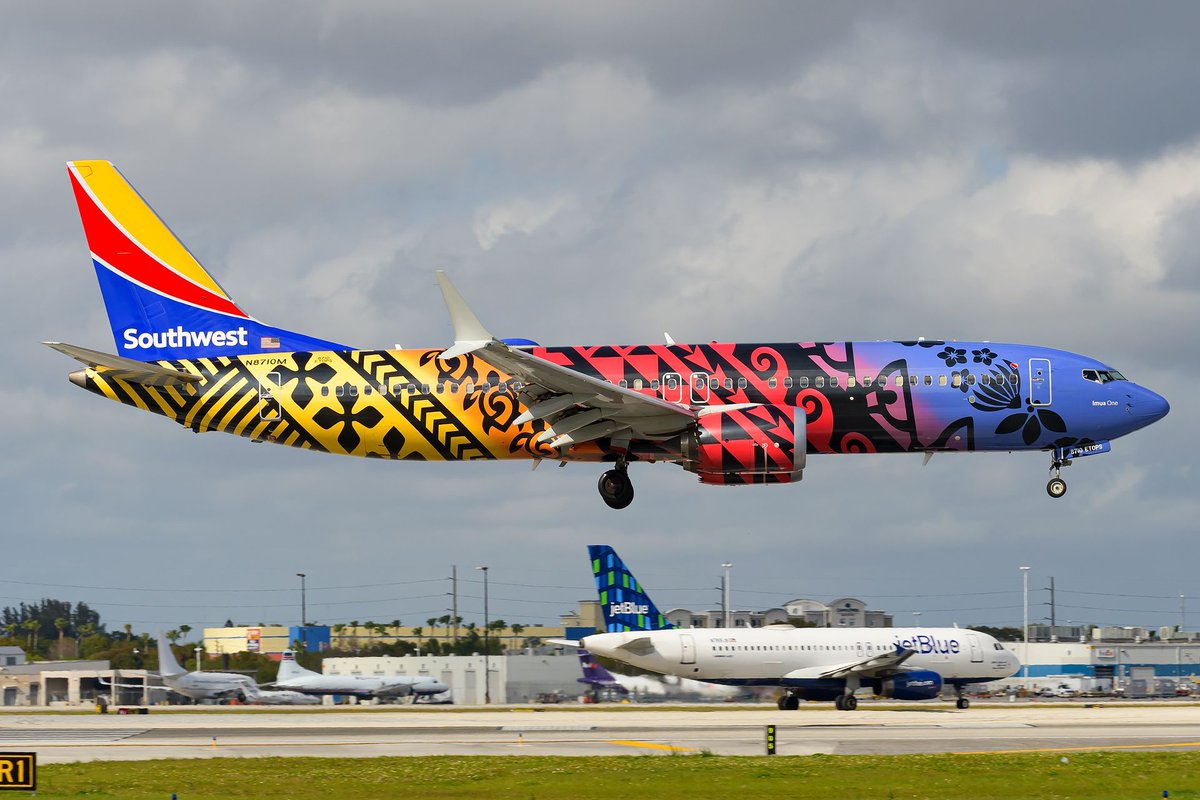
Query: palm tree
pixel 31 625
pixel 172 636
pixel 417 631
pixel 61 624
pixel 184 630
pixel 128 631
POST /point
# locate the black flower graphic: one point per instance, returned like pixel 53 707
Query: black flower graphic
pixel 1031 422
pixel 319 374
pixel 347 417
pixel 1001 392
pixel 953 355
pixel 984 356
pixel 958 380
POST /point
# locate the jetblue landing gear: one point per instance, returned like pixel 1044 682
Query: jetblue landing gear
pixel 846 702
pixel 788 702
pixel 615 487
pixel 1057 487
pixel 961 703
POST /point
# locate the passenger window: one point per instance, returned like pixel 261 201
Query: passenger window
pixel 970 379
pixel 850 382
pixel 353 391
pixel 714 383
pixel 820 382
pixel 440 387
pixel 803 381
pixel 956 379
pixel 454 388
pixel 366 390
pixel 772 383
pixel 868 381
pixel 912 380
pixel 637 383
pixel 654 383
pixel 425 388
pixel 899 381
pixel 787 382
pixel 624 384
pixel 941 380
pixel 741 383
pixel 986 379
pixel 929 380
pixel 833 381
pixel 324 391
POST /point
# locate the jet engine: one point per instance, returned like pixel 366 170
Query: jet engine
pixel 919 684
pixel 762 444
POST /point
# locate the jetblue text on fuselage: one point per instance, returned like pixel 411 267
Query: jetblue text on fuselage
pixel 923 643
pixel 628 608
pixel 178 337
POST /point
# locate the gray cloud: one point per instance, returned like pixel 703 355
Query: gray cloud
pixel 588 175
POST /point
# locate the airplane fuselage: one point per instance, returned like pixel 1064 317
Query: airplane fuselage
pixel 789 656
pixel 848 397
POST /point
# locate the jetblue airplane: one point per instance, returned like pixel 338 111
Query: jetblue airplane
pixel 808 663
pixel 733 414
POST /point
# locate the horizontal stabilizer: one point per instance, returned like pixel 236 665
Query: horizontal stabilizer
pixel 125 369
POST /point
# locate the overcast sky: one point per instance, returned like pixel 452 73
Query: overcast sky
pixel 601 173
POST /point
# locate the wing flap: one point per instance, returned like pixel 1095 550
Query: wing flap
pixel 875 666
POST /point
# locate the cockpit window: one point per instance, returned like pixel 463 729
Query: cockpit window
pixel 1102 375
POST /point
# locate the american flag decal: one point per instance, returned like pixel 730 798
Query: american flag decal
pixel 269 342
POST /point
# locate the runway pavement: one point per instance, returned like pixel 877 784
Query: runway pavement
pixel 576 731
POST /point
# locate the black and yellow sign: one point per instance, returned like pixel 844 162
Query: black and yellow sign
pixel 18 770
pixel 770 740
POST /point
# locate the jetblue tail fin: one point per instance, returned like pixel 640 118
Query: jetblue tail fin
pixel 625 605
pixel 167 665
pixel 594 674
pixel 162 304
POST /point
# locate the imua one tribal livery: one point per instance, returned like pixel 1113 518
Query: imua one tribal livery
pixel 733 414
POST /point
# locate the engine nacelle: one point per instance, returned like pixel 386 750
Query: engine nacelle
pixel 763 444
pixel 919 684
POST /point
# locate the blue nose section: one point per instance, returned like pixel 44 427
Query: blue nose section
pixel 1152 407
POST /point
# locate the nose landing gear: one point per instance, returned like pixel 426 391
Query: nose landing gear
pixel 1057 487
pixel 615 487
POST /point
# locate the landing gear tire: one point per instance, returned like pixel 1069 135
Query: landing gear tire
pixel 846 702
pixel 1056 488
pixel 615 488
pixel 839 701
pixel 791 703
pixel 963 703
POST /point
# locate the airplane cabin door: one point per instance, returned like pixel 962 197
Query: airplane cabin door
pixel 976 650
pixel 687 649
pixel 1039 382
pixel 268 397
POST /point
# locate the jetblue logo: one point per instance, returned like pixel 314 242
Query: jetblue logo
pixel 925 644
pixel 178 337
pixel 919 684
pixel 628 608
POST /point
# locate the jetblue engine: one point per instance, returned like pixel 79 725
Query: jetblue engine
pixel 920 684
pixel 763 444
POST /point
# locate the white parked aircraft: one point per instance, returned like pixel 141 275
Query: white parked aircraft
pixel 295 677
pixel 219 685
pixel 809 663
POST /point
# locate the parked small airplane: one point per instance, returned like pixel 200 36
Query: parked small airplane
pixel 202 685
pixel 601 681
pixel 731 413
pixel 294 677
pixel 808 663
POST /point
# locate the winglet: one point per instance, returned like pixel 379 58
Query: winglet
pixel 469 333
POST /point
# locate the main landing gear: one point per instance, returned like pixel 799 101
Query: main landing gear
pixel 1057 487
pixel 846 702
pixel 962 703
pixel 788 702
pixel 615 487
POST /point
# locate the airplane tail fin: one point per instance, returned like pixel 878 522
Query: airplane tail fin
pixel 623 601
pixel 594 673
pixel 162 304
pixel 167 664
pixel 289 668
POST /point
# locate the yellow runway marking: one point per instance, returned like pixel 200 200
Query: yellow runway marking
pixel 1069 749
pixel 650 745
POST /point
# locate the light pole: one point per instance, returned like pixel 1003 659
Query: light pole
pixel 727 621
pixel 303 614
pixel 916 619
pixel 487 642
pixel 1025 623
pixel 199 650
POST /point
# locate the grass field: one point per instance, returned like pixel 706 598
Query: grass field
pixel 1099 776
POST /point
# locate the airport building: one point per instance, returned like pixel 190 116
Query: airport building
pixel 845 612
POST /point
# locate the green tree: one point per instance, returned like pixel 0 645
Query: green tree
pixel 184 630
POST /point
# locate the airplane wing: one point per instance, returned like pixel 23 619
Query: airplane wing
pixel 876 666
pixel 149 688
pixel 125 369
pixel 580 408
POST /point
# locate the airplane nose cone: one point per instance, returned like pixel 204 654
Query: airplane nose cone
pixel 1154 406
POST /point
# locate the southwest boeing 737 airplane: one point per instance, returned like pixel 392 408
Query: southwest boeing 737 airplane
pixel 732 414
pixel 808 663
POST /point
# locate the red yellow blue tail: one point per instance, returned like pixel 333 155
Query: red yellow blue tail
pixel 161 303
